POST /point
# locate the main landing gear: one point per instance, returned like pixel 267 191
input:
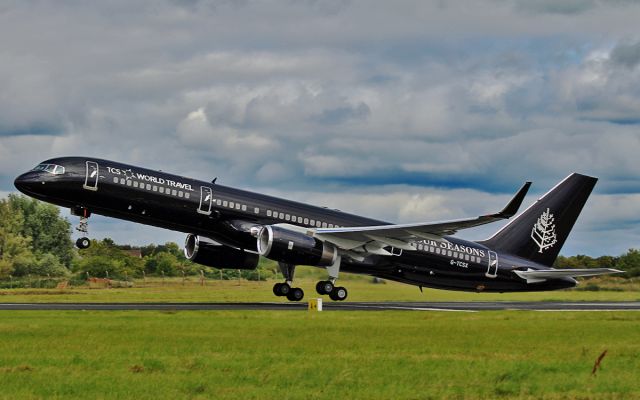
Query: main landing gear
pixel 83 226
pixel 284 289
pixel 336 293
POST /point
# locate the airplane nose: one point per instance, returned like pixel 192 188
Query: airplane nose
pixel 20 183
pixel 25 182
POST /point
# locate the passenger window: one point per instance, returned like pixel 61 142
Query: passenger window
pixel 449 253
pixel 256 210
pixel 128 182
pixel 324 224
pixel 115 179
pixel 148 186
pixel 244 207
pixel 218 202
pixel 287 217
pixel 312 222
pixel 155 188
pixel 268 213
pixel 187 195
pixel 237 206
pixel 224 203
pixel 174 192
pixel 161 189
pixel 135 184
pixel 231 204
pixel 180 194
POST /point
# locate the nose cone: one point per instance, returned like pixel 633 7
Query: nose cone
pixel 26 183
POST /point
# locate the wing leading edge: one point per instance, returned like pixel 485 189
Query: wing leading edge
pixel 401 235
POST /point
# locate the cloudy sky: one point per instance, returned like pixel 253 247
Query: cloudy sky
pixel 406 111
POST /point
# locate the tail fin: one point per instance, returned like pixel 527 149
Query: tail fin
pixel 540 231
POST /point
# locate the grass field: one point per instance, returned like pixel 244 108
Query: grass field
pixel 360 289
pixel 301 355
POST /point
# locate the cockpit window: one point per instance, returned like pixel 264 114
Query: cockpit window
pixel 50 168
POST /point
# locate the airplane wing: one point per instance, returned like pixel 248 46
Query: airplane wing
pixel 541 275
pixel 400 236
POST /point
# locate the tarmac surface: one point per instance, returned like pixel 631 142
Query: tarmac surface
pixel 336 306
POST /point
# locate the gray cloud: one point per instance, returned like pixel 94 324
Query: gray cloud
pixel 626 54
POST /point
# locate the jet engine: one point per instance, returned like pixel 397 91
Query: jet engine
pixel 218 256
pixel 296 248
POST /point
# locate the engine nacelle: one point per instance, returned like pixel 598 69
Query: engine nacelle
pixel 218 256
pixel 296 248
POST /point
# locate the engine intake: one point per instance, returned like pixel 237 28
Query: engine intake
pixel 218 256
pixel 296 248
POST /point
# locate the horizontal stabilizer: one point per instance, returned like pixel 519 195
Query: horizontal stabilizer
pixel 540 275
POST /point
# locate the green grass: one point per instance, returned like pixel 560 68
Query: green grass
pixel 172 290
pixel 328 355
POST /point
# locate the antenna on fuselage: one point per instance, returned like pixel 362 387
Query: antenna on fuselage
pixel 214 180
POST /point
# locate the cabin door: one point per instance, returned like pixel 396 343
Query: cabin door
pixel 92 174
pixel 206 198
pixel 492 271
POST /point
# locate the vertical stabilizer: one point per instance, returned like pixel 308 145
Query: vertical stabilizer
pixel 540 231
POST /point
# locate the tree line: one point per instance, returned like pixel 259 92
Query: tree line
pixel 36 240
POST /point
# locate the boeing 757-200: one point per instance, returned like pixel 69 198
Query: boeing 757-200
pixel 232 228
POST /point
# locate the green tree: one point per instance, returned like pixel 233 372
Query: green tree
pixel 104 258
pixel 50 233
pixel 630 263
pixel 15 249
pixel 163 262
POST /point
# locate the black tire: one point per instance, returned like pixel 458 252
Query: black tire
pixel 338 293
pixel 283 289
pixel 324 287
pixel 276 289
pixel 83 243
pixel 296 294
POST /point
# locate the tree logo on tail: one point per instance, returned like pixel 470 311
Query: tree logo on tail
pixel 544 231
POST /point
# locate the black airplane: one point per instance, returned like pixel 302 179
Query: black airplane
pixel 231 228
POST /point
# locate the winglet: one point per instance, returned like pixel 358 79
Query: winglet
pixel 512 208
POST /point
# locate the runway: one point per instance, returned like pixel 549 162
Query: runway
pixel 334 306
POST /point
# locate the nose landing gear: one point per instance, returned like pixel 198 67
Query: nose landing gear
pixel 83 226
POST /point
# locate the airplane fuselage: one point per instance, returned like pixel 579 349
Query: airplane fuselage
pixel 227 215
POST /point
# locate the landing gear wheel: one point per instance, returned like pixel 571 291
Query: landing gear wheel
pixel 83 243
pixel 296 294
pixel 338 294
pixel 324 287
pixel 281 289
